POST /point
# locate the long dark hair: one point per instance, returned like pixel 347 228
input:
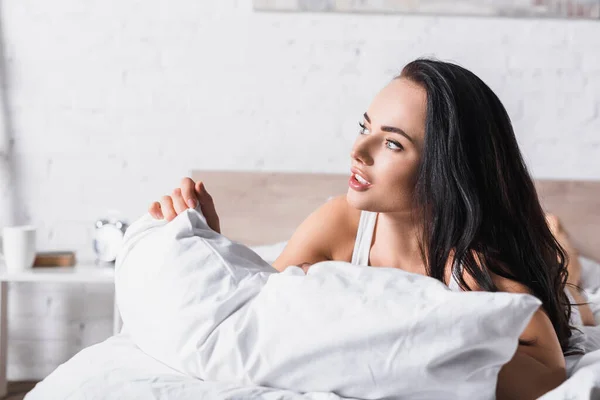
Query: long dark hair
pixel 477 199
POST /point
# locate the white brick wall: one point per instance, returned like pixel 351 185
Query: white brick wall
pixel 114 101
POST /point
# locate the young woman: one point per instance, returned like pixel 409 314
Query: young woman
pixel 438 187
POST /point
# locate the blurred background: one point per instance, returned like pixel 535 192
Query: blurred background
pixel 107 104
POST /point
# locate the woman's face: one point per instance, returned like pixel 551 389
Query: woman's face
pixel 387 151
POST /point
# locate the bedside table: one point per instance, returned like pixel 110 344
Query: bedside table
pixel 82 272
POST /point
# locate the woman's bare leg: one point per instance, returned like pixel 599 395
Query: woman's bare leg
pixel 573 267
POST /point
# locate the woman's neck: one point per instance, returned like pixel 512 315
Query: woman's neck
pixel 396 241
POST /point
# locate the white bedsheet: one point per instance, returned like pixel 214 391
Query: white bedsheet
pixel 117 369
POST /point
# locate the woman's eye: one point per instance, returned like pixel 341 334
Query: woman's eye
pixel 363 129
pixel 390 144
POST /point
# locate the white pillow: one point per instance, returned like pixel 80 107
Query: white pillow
pixel 215 310
pixel 590 282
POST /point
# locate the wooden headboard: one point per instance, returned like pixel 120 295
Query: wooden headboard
pixel 266 207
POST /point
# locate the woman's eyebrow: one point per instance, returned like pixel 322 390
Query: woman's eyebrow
pixel 391 129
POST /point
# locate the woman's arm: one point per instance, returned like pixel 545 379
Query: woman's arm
pixel 316 238
pixel 524 377
pixel 536 368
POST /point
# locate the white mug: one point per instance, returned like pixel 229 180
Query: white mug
pixel 18 247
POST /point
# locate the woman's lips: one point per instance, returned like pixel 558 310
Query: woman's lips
pixel 356 185
pixel 362 175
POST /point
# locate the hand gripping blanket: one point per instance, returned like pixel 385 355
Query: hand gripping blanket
pixel 213 309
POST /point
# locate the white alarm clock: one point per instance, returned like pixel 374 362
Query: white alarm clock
pixel 108 239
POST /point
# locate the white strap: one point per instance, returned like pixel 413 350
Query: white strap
pixel 364 238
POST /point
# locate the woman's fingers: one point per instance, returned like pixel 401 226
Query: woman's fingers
pixel 305 266
pixel 155 210
pixel 208 207
pixel 189 193
pixel 166 205
pixel 178 202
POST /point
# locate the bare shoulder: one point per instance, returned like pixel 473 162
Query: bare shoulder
pixel 321 235
pixel 343 214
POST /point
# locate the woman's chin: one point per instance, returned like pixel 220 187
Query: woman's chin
pixel 358 200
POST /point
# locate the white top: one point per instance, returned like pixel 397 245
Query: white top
pixel 82 272
pixel 364 241
pixel 364 238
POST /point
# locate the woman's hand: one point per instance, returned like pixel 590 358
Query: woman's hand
pixel 189 195
pixel 304 266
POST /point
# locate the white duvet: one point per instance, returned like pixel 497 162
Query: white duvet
pixel 116 369
pixel 119 369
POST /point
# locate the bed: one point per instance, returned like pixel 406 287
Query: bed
pixel 278 202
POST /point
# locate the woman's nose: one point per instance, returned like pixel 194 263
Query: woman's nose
pixel 361 154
